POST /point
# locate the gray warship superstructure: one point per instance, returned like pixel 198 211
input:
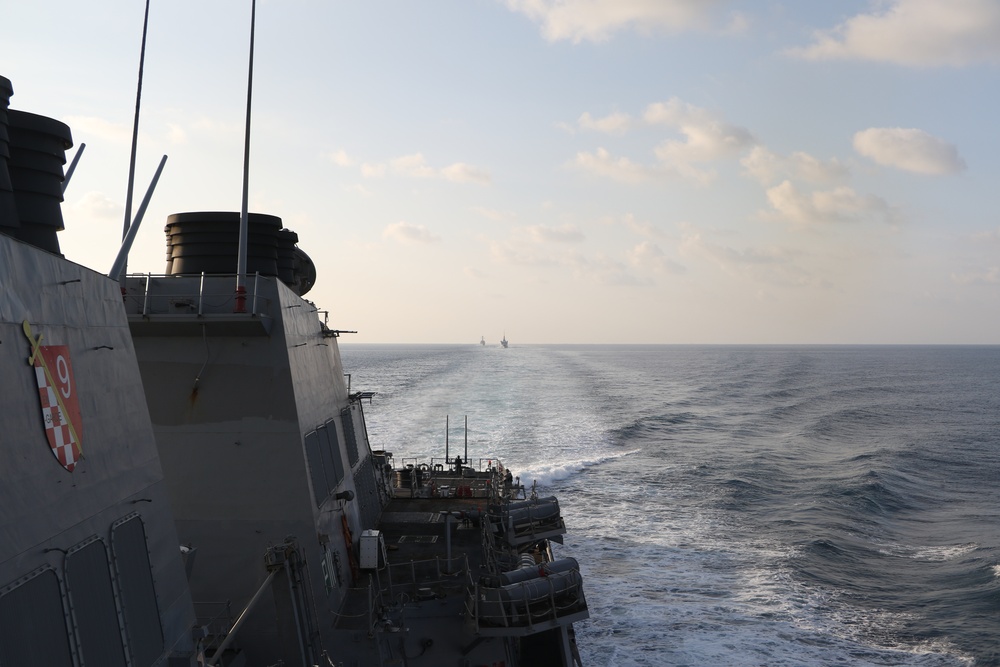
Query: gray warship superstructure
pixel 90 567
pixel 216 436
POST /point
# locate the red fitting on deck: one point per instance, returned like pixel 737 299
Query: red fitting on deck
pixel 241 300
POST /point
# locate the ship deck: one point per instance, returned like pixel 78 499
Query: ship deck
pixel 420 593
pixel 423 561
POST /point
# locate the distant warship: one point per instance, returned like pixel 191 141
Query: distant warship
pixel 188 478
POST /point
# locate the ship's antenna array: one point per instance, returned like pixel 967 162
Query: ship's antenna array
pixel 241 262
pixel 127 222
pixel 130 225
pixel 118 268
pixel 72 167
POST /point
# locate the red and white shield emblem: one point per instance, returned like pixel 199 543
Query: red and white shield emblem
pixel 57 394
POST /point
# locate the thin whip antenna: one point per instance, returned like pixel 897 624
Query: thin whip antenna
pixel 118 268
pixel 241 262
pixel 72 167
pixel 135 133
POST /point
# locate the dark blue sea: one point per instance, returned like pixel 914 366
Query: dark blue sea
pixel 738 505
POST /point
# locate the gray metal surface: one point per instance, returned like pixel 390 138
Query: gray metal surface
pixel 45 509
pixel 32 623
pixel 248 428
pixel 94 605
pixel 138 593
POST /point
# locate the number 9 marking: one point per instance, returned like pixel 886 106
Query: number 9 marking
pixel 62 370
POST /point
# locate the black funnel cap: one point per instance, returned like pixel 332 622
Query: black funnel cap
pixel 37 146
pixel 8 209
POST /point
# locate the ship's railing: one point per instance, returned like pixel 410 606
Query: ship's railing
pixel 425 578
pixel 527 607
pixel 484 478
pixel 149 294
pixel 442 464
pixel 416 574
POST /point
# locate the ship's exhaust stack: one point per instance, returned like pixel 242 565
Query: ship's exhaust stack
pixel 32 155
pixel 8 210
pixel 208 242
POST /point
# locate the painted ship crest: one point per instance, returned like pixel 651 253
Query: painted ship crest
pixel 57 395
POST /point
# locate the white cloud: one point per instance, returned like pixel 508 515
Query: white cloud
pixel 603 270
pixel 519 255
pixel 415 166
pixel 90 126
pixel 707 136
pixel 597 20
pixel 992 236
pixel 990 276
pixel 649 256
pixel 412 165
pixel 544 234
pixel 915 33
pixel 493 214
pixel 768 167
pixel 839 205
pixel 98 205
pixel 543 247
pixel 621 169
pixel 773 265
pixel 615 123
pixel 739 23
pixel 359 189
pixel 908 149
pixel 176 134
pixel 464 173
pixel 369 170
pixel 341 158
pixel 640 228
pixel 406 232
pixel 474 273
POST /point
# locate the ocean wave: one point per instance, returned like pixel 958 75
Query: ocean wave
pixel 738 492
pixel 745 506
pixel 547 473
pixel 655 426
pixel 938 554
pixel 872 493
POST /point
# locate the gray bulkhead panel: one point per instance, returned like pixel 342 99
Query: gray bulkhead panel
pixel 231 416
pixel 320 390
pixel 49 510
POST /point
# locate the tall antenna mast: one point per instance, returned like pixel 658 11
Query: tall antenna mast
pixel 135 134
pixel 241 262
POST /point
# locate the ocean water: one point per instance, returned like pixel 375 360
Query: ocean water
pixel 738 505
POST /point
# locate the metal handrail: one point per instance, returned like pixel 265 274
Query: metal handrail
pixel 511 611
pixel 441 577
pixel 200 301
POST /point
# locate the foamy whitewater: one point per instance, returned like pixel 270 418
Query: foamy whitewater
pixel 737 505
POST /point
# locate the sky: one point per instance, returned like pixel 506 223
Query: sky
pixel 559 171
